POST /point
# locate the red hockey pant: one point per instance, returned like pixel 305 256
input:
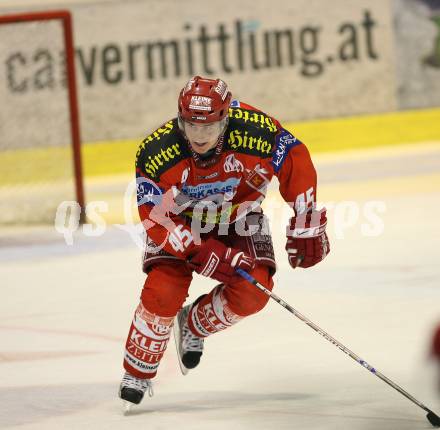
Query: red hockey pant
pixel 163 295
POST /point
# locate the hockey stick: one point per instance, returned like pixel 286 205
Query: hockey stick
pixel 433 418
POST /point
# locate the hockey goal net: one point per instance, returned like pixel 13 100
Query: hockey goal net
pixel 40 160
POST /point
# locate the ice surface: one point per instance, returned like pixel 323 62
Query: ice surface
pixel 65 312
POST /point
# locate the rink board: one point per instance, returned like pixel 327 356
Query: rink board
pixel 117 157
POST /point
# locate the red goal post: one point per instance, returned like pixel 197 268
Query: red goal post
pixel 65 18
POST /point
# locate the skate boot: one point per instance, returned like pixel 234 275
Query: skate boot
pixel 189 347
pixel 132 390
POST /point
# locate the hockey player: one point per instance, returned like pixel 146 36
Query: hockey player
pixel 200 180
pixel 435 352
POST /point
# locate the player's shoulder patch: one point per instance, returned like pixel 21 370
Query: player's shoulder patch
pixel 284 142
pixel 148 192
pixel 161 150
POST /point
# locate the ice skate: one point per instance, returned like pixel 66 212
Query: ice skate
pixel 132 390
pixel 189 347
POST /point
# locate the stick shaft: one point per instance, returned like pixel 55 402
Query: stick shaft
pixel 331 339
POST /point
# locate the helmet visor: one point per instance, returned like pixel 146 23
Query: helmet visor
pixel 203 133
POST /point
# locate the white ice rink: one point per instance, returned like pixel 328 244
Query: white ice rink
pixel 65 312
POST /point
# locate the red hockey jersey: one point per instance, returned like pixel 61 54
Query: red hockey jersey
pixel 173 192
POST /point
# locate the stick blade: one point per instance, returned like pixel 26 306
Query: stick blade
pixel 433 419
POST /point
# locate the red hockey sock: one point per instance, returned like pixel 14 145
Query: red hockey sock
pixel 146 343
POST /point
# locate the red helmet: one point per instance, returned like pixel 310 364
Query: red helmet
pixel 204 100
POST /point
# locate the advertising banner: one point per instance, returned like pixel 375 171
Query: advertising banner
pixel 418 52
pixel 295 60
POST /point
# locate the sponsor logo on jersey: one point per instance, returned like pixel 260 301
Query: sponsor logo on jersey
pixel 155 162
pixel 212 175
pixel 235 103
pixel 283 143
pixel 201 191
pixel 232 164
pixel 161 131
pixel 222 216
pixel 242 140
pixel 256 180
pixel 155 136
pixel 147 192
pixel 185 175
pixel 257 118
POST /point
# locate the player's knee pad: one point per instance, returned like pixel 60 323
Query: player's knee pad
pixel 166 288
pixel 252 303
pixel 246 299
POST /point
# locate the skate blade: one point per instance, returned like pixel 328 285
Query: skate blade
pixel 176 333
pixel 127 407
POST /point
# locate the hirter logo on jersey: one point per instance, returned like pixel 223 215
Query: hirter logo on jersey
pixel 200 103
